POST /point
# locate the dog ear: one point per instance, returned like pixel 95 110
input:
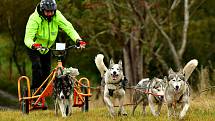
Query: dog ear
pixel 181 71
pixel 153 82
pixel 182 74
pixel 120 63
pixel 111 61
pixel 165 80
pixel 171 74
pixel 170 71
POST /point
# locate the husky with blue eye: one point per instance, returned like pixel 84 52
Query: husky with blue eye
pixel 63 90
pixel 114 83
pixel 177 92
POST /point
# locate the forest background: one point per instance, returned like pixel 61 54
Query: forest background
pixel 150 36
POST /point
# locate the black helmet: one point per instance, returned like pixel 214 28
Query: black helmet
pixel 48 5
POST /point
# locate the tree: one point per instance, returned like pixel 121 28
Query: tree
pixel 143 29
pixel 15 21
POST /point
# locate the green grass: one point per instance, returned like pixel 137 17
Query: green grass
pixel 201 109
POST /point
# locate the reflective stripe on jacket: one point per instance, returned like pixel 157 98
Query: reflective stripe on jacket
pixel 39 30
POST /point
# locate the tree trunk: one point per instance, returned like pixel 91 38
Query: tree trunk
pixel 133 58
pixel 10 68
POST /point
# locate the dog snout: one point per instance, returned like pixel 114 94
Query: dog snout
pixel 161 97
pixel 114 72
pixel 176 87
pixel 62 96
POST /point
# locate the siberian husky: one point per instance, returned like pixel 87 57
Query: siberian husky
pixel 150 92
pixel 63 90
pixel 177 92
pixel 114 83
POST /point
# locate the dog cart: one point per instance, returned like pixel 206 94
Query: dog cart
pixel 36 100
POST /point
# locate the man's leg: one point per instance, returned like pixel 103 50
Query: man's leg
pixel 36 68
pixel 45 69
pixel 46 65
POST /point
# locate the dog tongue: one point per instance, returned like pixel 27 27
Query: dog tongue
pixel 176 90
pixel 114 77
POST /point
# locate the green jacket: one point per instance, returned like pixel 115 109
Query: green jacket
pixel 39 30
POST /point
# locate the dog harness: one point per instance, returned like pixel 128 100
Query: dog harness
pixel 146 89
pixel 180 98
pixel 119 85
pixel 63 83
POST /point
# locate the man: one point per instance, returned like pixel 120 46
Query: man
pixel 41 31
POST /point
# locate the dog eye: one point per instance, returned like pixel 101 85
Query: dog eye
pixel 182 78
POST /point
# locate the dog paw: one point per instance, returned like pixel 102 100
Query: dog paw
pixel 125 114
pixel 119 113
pixel 122 113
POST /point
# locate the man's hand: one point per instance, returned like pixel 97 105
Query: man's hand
pixel 36 46
pixel 80 44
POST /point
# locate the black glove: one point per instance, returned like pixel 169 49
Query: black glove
pixel 78 42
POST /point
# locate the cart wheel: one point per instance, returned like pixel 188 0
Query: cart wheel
pixel 25 103
pixel 85 107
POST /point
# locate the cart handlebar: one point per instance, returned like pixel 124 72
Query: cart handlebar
pixel 58 52
pixel 67 48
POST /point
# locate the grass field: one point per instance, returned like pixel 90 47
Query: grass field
pixel 201 109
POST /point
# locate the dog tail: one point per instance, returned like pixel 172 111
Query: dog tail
pixel 189 68
pixel 100 64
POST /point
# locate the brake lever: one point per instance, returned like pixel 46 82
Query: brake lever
pixel 43 48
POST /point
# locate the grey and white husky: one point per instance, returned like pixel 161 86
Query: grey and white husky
pixel 113 83
pixel 63 90
pixel 150 92
pixel 177 92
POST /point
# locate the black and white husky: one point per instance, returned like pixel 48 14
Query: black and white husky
pixel 113 83
pixel 63 90
pixel 177 92
pixel 150 92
